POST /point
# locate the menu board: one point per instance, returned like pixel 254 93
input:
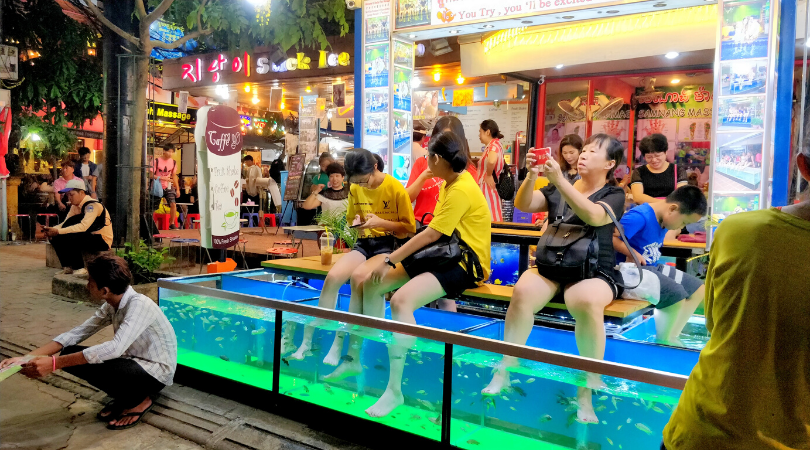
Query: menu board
pixel 295 172
pixel 510 118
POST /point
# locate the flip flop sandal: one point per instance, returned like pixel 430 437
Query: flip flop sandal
pixel 112 410
pixel 139 415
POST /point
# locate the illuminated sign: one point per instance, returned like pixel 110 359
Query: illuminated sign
pixel 242 64
pixel 164 112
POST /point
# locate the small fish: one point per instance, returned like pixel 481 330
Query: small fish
pixel 571 408
pixel 473 394
pixel 419 362
pixel 609 441
pixel 365 366
pixel 183 331
pixel 512 408
pixel 456 402
pixel 219 339
pixel 416 417
pixel 284 360
pixel 600 408
pixel 405 379
pixel 435 420
pixel 182 340
pixel 237 324
pixel 258 332
pixel 636 404
pixel 220 346
pixel 306 389
pixel 502 260
pixel 629 420
pixel 530 381
pixel 210 328
pixel 498 282
pixel 604 422
pixel 379 367
pixel 669 407
pixel 226 319
pixel 619 428
pixel 427 404
pixel 644 428
pixel 571 419
pixel 519 391
pixel 224 358
pixel 163 308
pixel 613 400
pixel 204 321
pixel 602 398
pixel 505 398
pixel 473 442
pixel 545 418
pixel 657 409
pixel 189 308
pixel 233 339
pixel 328 389
pixel 245 328
pixel 212 318
pixel 347 358
pixel 422 392
pixel 182 316
pixel 515 381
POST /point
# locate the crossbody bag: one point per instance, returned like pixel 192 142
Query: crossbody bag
pixel 445 250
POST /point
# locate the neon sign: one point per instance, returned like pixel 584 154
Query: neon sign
pixel 193 71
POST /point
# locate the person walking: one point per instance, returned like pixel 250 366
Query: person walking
pixel 490 166
pixel 164 170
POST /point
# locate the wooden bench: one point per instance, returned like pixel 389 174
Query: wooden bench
pixel 618 311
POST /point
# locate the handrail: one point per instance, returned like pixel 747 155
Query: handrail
pixel 649 376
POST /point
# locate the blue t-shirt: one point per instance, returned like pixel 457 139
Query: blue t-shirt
pixel 644 233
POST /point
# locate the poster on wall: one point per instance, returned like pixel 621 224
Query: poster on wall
pixel 402 132
pixel 377 14
pixel 376 65
pixel 741 113
pixel 376 101
pixel 219 147
pixel 308 133
pixel 745 30
pixel 339 95
pixel 375 134
pixel 403 54
pixel 411 13
pixel 743 77
pixel 425 105
pixel 562 108
pixel 402 89
pixel 738 162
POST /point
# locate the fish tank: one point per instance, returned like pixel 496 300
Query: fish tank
pixel 431 380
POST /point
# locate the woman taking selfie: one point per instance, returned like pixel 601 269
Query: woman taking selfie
pixel 585 299
pixel 462 209
pixel 380 208
pixel 492 160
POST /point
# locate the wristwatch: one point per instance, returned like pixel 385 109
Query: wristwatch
pixel 388 261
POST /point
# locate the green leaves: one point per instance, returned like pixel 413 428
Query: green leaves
pixel 143 260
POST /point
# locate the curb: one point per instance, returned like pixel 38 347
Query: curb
pixel 207 420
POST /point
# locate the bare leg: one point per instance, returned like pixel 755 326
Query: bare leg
pixel 413 295
pixel 586 301
pixel 172 213
pixel 669 322
pixel 337 277
pixel 532 292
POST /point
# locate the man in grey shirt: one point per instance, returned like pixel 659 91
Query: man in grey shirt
pixel 131 368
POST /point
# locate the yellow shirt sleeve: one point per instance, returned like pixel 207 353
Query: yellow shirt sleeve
pixel 540 183
pixel 449 210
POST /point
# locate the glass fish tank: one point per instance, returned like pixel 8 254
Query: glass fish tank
pixel 223 329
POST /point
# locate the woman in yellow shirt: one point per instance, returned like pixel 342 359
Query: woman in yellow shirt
pixel 461 208
pixel 750 389
pixel 380 208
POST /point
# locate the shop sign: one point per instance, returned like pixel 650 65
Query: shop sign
pixel 86 134
pixel 221 65
pixel 164 112
pixel 445 12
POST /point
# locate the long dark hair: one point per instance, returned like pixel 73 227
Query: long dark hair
pixel 574 141
pixel 360 161
pixel 613 148
pixel 492 127
pixel 453 124
pixel 450 147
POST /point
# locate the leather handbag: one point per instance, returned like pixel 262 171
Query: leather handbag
pixel 505 183
pixel 568 252
pixel 445 250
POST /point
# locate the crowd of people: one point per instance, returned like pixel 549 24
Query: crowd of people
pixel 754 303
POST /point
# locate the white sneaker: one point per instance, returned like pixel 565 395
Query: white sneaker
pixel 81 272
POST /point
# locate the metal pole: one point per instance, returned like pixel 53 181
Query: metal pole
pixel 796 174
pixel 4 208
pixel 447 394
pixel 780 189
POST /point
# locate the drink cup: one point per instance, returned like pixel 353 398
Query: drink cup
pixel 541 155
pixel 326 256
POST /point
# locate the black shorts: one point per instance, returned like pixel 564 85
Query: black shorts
pixel 452 277
pixel 675 284
pixel 170 196
pixel 613 279
pixel 374 246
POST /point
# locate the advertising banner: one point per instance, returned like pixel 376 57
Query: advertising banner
pixel 219 147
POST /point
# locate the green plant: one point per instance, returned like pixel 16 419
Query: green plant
pixel 143 260
pixel 335 222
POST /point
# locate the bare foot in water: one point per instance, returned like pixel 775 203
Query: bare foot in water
pixel 594 381
pixel 500 381
pixel 302 352
pixel 389 401
pixel 333 357
pixel 346 369
pixel 585 412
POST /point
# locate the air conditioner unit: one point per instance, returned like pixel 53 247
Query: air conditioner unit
pixel 440 47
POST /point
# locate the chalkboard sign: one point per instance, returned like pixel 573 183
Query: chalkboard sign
pixel 295 166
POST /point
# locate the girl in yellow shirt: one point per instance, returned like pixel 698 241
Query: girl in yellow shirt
pixel 380 208
pixel 461 208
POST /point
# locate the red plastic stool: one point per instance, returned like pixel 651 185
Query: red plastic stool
pixel 271 218
pixel 162 221
pixel 191 218
pixel 48 218
pixel 282 252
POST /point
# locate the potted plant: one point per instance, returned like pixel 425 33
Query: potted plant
pixel 144 263
pixel 335 222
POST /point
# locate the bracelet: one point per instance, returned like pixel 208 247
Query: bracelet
pixel 53 357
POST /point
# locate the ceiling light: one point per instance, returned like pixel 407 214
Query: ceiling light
pixel 437 76
pixel 454 31
pixel 526 22
pixel 247 87
pixel 659 5
pixel 612 11
pixel 488 26
pixel 255 99
pixel 282 106
pixel 309 89
pixel 460 79
pixel 559 66
pixel 567 17
pixel 412 36
pixel 672 55
pixel 675 81
pixel 416 82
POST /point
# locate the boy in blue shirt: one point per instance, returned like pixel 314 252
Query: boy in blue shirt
pixel 646 227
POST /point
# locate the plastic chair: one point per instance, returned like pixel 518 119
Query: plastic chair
pixel 48 218
pixel 191 218
pixel 281 252
pixel 25 216
pixel 162 221
pixel 271 218
pixel 250 216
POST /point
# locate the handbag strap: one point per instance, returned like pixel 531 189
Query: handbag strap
pixel 560 210
pixel 472 263
pixel 616 222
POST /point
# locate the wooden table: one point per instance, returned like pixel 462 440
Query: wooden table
pixel 682 251
pixel 521 237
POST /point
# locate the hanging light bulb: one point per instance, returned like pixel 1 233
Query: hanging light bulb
pixel 282 105
pixel 460 79
pixel 255 99
pixel 247 87
pixel 437 76
pixel 309 89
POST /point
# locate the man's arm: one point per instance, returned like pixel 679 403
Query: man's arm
pixel 136 320
pixel 91 213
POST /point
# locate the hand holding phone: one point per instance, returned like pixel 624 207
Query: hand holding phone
pixel 541 155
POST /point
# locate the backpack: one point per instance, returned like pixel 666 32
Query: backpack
pixel 505 184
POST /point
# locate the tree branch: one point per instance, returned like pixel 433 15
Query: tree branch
pixel 183 40
pixel 157 13
pixel 100 16
pixel 139 8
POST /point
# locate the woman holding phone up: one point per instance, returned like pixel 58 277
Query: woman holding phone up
pixel 585 299
pixel 380 208
pixel 461 209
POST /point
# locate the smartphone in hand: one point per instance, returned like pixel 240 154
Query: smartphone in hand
pixel 541 155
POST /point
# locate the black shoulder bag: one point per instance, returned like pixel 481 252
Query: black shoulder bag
pixel 505 183
pixel 445 250
pixel 568 252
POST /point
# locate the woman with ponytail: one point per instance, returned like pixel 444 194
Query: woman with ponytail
pixel 462 209
pixel 491 162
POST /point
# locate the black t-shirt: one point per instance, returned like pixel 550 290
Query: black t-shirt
pixel 613 196
pixel 657 184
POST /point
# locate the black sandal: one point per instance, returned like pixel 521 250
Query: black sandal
pixel 139 415
pixel 112 410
